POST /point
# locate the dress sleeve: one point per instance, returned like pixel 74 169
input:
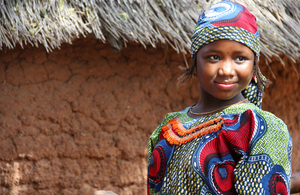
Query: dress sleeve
pixel 266 167
pixel 155 136
pixel 158 152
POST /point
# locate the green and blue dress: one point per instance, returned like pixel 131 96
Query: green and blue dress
pixel 240 150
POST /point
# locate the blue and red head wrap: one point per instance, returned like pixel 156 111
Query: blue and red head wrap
pixel 230 21
pixel 226 20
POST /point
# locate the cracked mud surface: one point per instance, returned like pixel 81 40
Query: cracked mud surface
pixel 78 119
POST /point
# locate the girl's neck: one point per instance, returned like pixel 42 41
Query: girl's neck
pixel 209 104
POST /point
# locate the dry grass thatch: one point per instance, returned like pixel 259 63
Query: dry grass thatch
pixel 52 22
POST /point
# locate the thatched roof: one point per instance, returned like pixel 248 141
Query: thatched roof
pixel 149 22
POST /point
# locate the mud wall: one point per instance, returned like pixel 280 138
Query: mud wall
pixel 78 119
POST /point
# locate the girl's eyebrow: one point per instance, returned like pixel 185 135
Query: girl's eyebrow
pixel 213 51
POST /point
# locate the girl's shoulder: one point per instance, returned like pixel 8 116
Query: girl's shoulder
pixel 172 115
pixel 178 114
pixel 274 124
pixel 270 118
pixel 267 116
pixel 276 127
pixel 155 136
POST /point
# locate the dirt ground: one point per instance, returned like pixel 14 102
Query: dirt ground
pixel 78 119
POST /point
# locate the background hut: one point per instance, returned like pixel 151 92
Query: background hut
pixel 84 83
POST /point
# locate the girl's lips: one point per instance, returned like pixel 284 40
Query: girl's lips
pixel 225 86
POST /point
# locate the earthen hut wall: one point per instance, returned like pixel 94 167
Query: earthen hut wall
pixel 78 119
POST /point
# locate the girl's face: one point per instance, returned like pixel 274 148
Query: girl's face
pixel 224 69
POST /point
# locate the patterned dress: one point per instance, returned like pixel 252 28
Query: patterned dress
pixel 240 150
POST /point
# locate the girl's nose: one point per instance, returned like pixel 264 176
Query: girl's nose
pixel 226 68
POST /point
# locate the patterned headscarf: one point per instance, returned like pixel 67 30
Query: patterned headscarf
pixel 230 21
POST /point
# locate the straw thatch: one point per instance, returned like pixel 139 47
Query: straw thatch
pixel 52 22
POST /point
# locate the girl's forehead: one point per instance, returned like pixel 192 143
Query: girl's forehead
pixel 225 46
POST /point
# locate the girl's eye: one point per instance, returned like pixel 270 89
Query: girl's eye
pixel 214 57
pixel 240 59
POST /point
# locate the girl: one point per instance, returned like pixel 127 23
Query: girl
pixel 224 144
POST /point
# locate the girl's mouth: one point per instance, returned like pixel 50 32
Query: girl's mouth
pixel 225 86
